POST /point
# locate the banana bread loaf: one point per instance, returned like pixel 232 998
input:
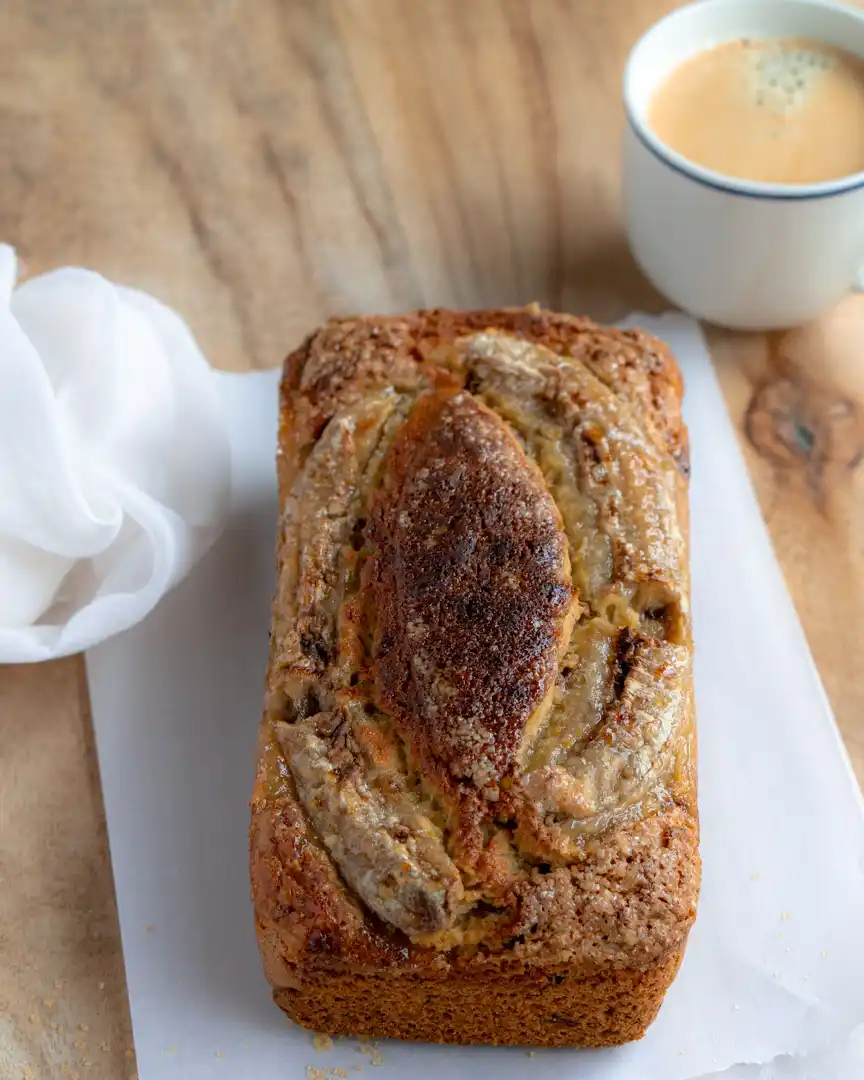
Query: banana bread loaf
pixel 474 817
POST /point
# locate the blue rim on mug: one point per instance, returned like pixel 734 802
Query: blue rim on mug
pixel 730 185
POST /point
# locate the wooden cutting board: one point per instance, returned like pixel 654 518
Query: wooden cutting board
pixel 259 166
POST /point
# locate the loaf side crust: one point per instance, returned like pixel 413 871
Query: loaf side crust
pixel 559 1009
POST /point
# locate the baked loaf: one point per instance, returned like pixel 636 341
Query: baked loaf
pixel 474 816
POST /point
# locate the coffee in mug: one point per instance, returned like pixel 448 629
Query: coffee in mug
pixel 777 110
pixel 743 158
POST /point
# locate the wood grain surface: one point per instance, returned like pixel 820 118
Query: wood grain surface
pixel 262 165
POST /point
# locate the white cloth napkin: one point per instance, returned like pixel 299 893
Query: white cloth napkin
pixel 114 463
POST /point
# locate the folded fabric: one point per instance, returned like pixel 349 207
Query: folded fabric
pixel 114 463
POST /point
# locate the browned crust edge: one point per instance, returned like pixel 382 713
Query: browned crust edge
pixel 555 1009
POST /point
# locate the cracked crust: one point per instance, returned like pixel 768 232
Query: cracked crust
pixel 477 762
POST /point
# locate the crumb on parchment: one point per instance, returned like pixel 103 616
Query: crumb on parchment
pixel 322 1043
pixel 374 1054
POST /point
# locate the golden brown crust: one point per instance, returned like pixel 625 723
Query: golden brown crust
pixel 348 356
pixel 527 1008
pixel 477 760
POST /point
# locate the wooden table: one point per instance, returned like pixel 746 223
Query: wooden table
pixel 261 165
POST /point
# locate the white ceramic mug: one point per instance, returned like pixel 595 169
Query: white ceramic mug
pixel 748 255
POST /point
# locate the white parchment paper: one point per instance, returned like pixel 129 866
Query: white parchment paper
pixel 773 972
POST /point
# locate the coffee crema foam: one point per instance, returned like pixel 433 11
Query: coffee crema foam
pixel 781 110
